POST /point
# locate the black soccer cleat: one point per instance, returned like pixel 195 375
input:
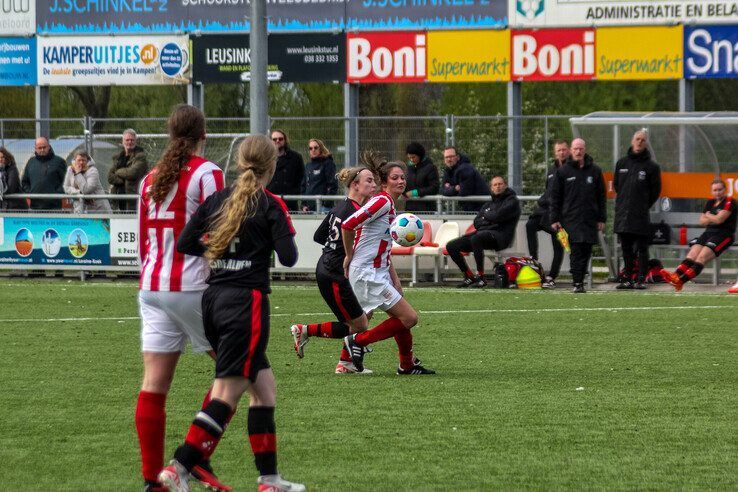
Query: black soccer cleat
pixel 626 285
pixel 356 352
pixel 579 289
pixel 479 283
pixel 639 285
pixel 467 282
pixel 417 369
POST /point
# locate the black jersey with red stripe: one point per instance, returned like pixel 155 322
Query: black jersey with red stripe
pixel 329 235
pixel 247 260
pixel 714 207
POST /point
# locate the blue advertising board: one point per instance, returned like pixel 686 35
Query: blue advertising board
pixel 710 52
pixel 54 241
pixel 425 14
pixel 17 61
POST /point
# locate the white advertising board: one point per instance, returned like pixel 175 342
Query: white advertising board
pixel 17 17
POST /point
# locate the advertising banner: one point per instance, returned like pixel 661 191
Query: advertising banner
pixel 151 60
pixel 710 52
pixel 17 17
pixel 639 53
pixel 595 13
pixel 54 241
pixel 124 242
pixel 425 14
pixel 685 185
pixel 384 57
pixel 17 61
pixel 553 54
pixel 226 58
pixel 469 56
pixel 168 16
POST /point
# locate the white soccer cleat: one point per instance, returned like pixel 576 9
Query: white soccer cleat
pixel 175 477
pixel 275 483
pixel 299 334
pixel 345 367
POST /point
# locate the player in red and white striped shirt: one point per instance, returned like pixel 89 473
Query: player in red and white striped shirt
pixel 368 245
pixel 172 283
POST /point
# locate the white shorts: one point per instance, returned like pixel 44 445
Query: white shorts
pixel 168 319
pixel 373 288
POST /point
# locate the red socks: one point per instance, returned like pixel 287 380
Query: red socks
pixel 386 329
pixel 329 329
pixel 151 419
pixel 404 339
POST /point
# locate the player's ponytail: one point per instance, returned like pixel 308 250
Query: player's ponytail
pixel 257 158
pixel 186 126
pixel 378 165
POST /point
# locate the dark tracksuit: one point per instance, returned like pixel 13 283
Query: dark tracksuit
pixel 578 203
pixel 288 176
pixel 637 182
pixel 495 229
pixel 469 180
pixel 540 220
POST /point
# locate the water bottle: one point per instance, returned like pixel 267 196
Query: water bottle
pixel 683 234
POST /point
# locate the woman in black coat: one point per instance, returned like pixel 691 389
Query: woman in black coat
pixel 9 181
pixel 422 179
pixel 320 176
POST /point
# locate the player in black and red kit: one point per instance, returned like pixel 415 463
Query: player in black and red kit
pixel 719 215
pixel 237 229
pixel 332 283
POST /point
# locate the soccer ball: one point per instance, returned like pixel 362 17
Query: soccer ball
pixel 406 230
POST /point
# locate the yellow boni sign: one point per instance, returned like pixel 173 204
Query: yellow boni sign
pixel 639 53
pixel 469 56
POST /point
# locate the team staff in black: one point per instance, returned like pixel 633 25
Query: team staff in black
pixel 422 178
pixel 290 171
pixel 461 178
pixel 637 182
pixel 495 228
pixel 332 282
pixel 719 217
pixel 578 205
pixel 539 219
pixel 243 224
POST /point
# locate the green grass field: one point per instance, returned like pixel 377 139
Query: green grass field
pixel 535 390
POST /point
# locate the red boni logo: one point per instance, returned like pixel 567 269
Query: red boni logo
pixel 553 54
pixel 382 57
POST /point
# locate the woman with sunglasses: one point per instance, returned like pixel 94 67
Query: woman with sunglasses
pixel 320 176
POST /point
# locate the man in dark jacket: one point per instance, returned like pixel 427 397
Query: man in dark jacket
pixel 539 219
pixel 578 205
pixel 290 170
pixel 460 178
pixel 422 179
pixel 128 169
pixel 44 173
pixel 10 182
pixel 638 185
pixel 495 229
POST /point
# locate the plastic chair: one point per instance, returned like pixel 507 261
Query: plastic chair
pixel 444 234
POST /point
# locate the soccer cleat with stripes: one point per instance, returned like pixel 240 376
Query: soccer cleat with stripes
pixel 416 369
pixel 356 352
pixel 203 473
pixel 346 367
pixel 275 483
pixel 175 477
pixel 300 335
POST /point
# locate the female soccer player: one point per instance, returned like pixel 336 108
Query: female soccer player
pixel 719 217
pixel 243 225
pixel 367 242
pixel 334 286
pixel 172 283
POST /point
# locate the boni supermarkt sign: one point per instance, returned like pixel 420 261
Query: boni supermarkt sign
pixel 113 60
pixel 564 13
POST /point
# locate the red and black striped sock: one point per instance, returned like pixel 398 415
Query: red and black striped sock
pixel 386 329
pixel 404 339
pixel 151 422
pixel 204 434
pixel 329 329
pixel 468 273
pixel 683 266
pixel 263 439
pixel 691 272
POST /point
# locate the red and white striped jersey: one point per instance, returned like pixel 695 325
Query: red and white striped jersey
pixel 373 243
pixel 162 267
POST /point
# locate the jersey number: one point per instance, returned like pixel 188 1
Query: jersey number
pixel 335 230
pixel 163 211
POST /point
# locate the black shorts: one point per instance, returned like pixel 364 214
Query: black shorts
pixel 237 326
pixel 717 241
pixel 338 294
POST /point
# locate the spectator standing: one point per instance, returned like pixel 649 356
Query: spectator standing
pixel 320 175
pixel 422 179
pixel 9 181
pixel 539 219
pixel 578 205
pixel 44 173
pixel 129 168
pixel 461 178
pixel 638 185
pixel 290 172
pixel 495 229
pixel 82 178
